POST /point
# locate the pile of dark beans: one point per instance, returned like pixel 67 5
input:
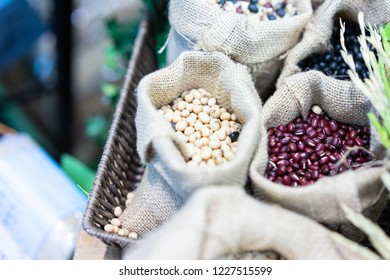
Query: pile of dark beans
pixel 304 151
pixel 331 62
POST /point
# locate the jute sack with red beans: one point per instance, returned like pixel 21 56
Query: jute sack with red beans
pixel 257 44
pixel 317 34
pixel 223 222
pixel 360 189
pixel 169 180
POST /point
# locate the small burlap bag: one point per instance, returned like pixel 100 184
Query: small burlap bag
pixel 169 180
pixel 257 44
pixel 316 37
pixel 219 222
pixel 361 189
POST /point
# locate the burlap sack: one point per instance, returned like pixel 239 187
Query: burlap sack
pixel 218 222
pixel 169 180
pixel 259 45
pixel 361 189
pixel 318 32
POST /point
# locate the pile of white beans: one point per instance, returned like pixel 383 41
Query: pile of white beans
pixel 209 131
pixel 115 225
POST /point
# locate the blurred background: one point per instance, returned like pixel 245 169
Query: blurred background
pixel 62 66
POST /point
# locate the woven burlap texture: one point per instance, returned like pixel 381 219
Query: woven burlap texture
pixel 223 221
pixel 159 146
pixel 257 44
pixel 361 189
pixel 316 37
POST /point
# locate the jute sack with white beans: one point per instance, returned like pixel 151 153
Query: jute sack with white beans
pixel 218 222
pixel 196 25
pixel 169 181
pixel 360 189
pixel 317 34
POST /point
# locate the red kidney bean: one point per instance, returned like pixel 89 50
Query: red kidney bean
pixel 295 166
pixel 313 157
pixel 353 134
pixel 285 141
pixel 278 133
pixel 310 143
pixel 287 180
pixel 354 153
pixel 294 177
pixel 284 149
pixel 309 151
pixel 303 181
pixel 333 125
pixel 315 174
pixel 314 167
pixel 282 169
pixel 282 128
pixel 314 122
pixel 360 160
pixel 324 160
pixel 291 127
pixel 273 158
pixel 283 156
pixel 359 141
pixel 295 139
pixel 304 164
pixel 321 136
pixel 272 142
pixel 292 147
pixel 332 158
pixel 350 142
pixel 299 132
pixel 283 162
pixel 325 169
pixel 304 151
pixel 296 157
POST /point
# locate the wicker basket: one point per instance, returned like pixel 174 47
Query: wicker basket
pixel 120 168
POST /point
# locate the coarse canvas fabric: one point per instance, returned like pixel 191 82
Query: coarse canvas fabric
pixel 218 222
pixel 317 34
pixel 169 180
pixel 260 45
pixel 360 189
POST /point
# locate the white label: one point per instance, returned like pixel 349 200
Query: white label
pixel 34 195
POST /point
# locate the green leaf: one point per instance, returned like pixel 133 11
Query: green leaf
pixel 110 91
pixel 81 174
pixel 383 133
pixel 387 31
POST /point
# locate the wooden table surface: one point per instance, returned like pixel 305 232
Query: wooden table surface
pixel 92 248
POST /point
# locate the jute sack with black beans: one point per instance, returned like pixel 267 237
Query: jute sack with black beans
pixel 320 37
pixel 169 179
pixel 257 44
pixel 220 222
pixel 360 189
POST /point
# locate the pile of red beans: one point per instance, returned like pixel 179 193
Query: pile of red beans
pixel 304 151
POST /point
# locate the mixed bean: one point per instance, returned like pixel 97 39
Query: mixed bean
pixel 303 151
pixel 263 10
pixel 210 132
pixel 331 62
